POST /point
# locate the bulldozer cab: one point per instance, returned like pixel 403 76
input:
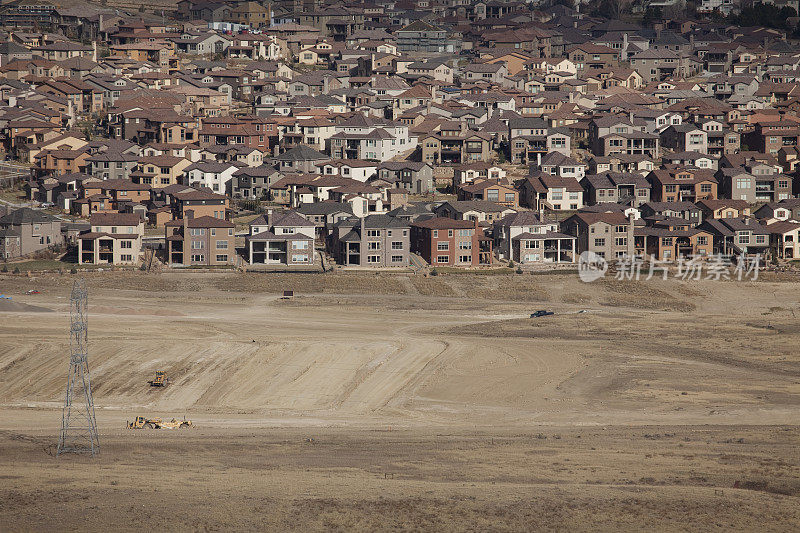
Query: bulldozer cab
pixel 160 379
pixel 138 423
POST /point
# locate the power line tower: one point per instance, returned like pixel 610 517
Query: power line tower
pixel 78 425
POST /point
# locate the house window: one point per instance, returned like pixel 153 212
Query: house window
pixel 702 241
pixel 197 245
pixel 705 187
pixel 198 258
pixel 442 246
pixel 442 258
pixel 125 244
pixel 761 239
pixel 373 259
pixel 397 245
pixel 222 258
pixel 397 259
pixel 222 245
pixel 126 257
pixel 621 241
pixel 599 242
pixel 374 245
pixel 373 233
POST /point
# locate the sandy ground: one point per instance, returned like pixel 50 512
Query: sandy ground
pixel 393 401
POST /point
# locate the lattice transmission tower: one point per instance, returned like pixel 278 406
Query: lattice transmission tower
pixel 78 424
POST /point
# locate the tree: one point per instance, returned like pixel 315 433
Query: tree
pixel 612 9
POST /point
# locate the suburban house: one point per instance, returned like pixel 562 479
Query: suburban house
pixel 211 175
pixel 616 187
pixel 672 238
pixel 202 202
pixel 280 238
pixel 784 238
pixel 159 171
pixel 114 239
pixel 527 237
pixel 551 192
pixel 682 185
pixel 733 236
pixel 609 235
pixel 25 231
pixel 200 241
pixel 446 242
pixel 414 176
pixel 490 190
pixel 375 240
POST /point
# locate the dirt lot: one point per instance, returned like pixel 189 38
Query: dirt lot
pixel 385 401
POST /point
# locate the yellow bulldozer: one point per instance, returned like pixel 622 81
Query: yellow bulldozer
pixel 160 380
pixel 141 422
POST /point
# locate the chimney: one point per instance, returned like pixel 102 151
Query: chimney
pixel 363 228
pixel 188 214
pixel 269 219
pixel 541 212
pixel 94 51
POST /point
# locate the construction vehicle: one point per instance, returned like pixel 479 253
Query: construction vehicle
pixel 160 379
pixel 141 422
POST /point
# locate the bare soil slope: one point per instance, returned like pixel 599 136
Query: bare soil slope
pixel 384 401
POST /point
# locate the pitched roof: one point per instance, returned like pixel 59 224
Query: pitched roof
pixel 26 215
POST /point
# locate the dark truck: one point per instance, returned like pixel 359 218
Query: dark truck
pixel 541 312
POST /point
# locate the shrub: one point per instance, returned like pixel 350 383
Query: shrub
pixel 5 268
pixel 434 272
pixel 519 270
pixel 16 270
pixel 73 270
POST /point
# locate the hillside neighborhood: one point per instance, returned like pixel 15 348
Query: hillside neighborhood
pixel 398 133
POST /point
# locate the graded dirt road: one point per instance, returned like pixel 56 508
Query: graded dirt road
pixel 384 401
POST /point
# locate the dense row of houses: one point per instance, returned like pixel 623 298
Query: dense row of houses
pixel 549 133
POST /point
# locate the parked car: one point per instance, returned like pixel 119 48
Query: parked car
pixel 541 312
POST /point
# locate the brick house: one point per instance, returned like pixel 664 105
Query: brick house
pixel 446 242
